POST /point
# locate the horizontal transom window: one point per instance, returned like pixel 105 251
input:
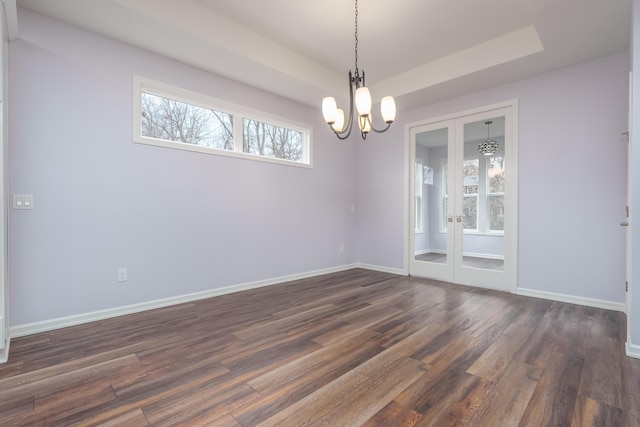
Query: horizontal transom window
pixel 176 118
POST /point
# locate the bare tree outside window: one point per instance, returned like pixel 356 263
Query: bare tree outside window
pixel 269 140
pixel 167 116
pixel 495 194
pixel 471 188
pixel 172 120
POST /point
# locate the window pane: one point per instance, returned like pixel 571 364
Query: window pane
pixel 445 207
pixel 271 141
pixel 445 192
pixel 496 174
pixel 470 171
pixel 470 212
pixel 176 121
pixel 419 178
pixel 496 213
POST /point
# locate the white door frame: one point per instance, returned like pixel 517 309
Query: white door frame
pixel 511 203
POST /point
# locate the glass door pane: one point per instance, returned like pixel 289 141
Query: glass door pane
pixel 431 210
pixel 483 189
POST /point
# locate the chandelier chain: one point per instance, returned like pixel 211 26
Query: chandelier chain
pixel 356 35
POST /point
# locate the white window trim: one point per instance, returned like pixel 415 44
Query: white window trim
pixel 142 84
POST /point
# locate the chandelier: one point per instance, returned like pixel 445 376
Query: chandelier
pixel 488 146
pixel 334 116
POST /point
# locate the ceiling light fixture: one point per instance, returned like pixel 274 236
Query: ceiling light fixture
pixel 488 146
pixel 334 116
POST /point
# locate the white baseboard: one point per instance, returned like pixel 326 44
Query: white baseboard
pixel 481 255
pixel 4 352
pixel 589 302
pixel 63 322
pixel 382 269
pixel 4 341
pixel 633 350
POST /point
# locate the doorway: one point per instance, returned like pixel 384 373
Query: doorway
pixel 463 204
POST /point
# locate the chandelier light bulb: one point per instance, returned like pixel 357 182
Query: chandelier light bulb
pixel 363 101
pixel 365 124
pixel 339 123
pixel 388 109
pixel 329 109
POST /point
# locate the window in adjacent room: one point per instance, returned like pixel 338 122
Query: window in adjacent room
pixel 482 192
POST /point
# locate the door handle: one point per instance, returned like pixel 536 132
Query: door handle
pixel 459 218
pixel 624 223
pixel 449 219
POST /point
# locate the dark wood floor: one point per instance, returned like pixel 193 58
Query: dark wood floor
pixel 346 349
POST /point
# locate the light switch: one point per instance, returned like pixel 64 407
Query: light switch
pixel 22 201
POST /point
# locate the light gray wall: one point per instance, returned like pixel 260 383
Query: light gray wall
pixel 572 179
pixel 179 221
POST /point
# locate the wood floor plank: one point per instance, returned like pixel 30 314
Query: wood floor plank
pixel 58 406
pixel 60 381
pixel 198 406
pixel 351 399
pixel 132 419
pixel 601 380
pixel 356 322
pixel 508 399
pixel 462 404
pixel 356 347
pixel 312 362
pixel 630 392
pixel 554 398
pixel 499 355
pixel 16 408
pixel 12 385
pixel 433 390
pixel 393 415
pixel 592 413
pixel 271 404
pixel 281 324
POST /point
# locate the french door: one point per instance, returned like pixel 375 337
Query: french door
pixel 463 209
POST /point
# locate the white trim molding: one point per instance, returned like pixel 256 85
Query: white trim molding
pixel 571 299
pixel 633 350
pixel 4 352
pixel 10 19
pixel 63 322
pixel 398 271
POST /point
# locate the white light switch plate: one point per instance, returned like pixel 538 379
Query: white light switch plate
pixel 22 201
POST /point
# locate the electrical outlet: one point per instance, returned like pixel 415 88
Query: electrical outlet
pixel 122 275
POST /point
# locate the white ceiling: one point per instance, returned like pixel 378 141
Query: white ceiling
pixel 420 51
